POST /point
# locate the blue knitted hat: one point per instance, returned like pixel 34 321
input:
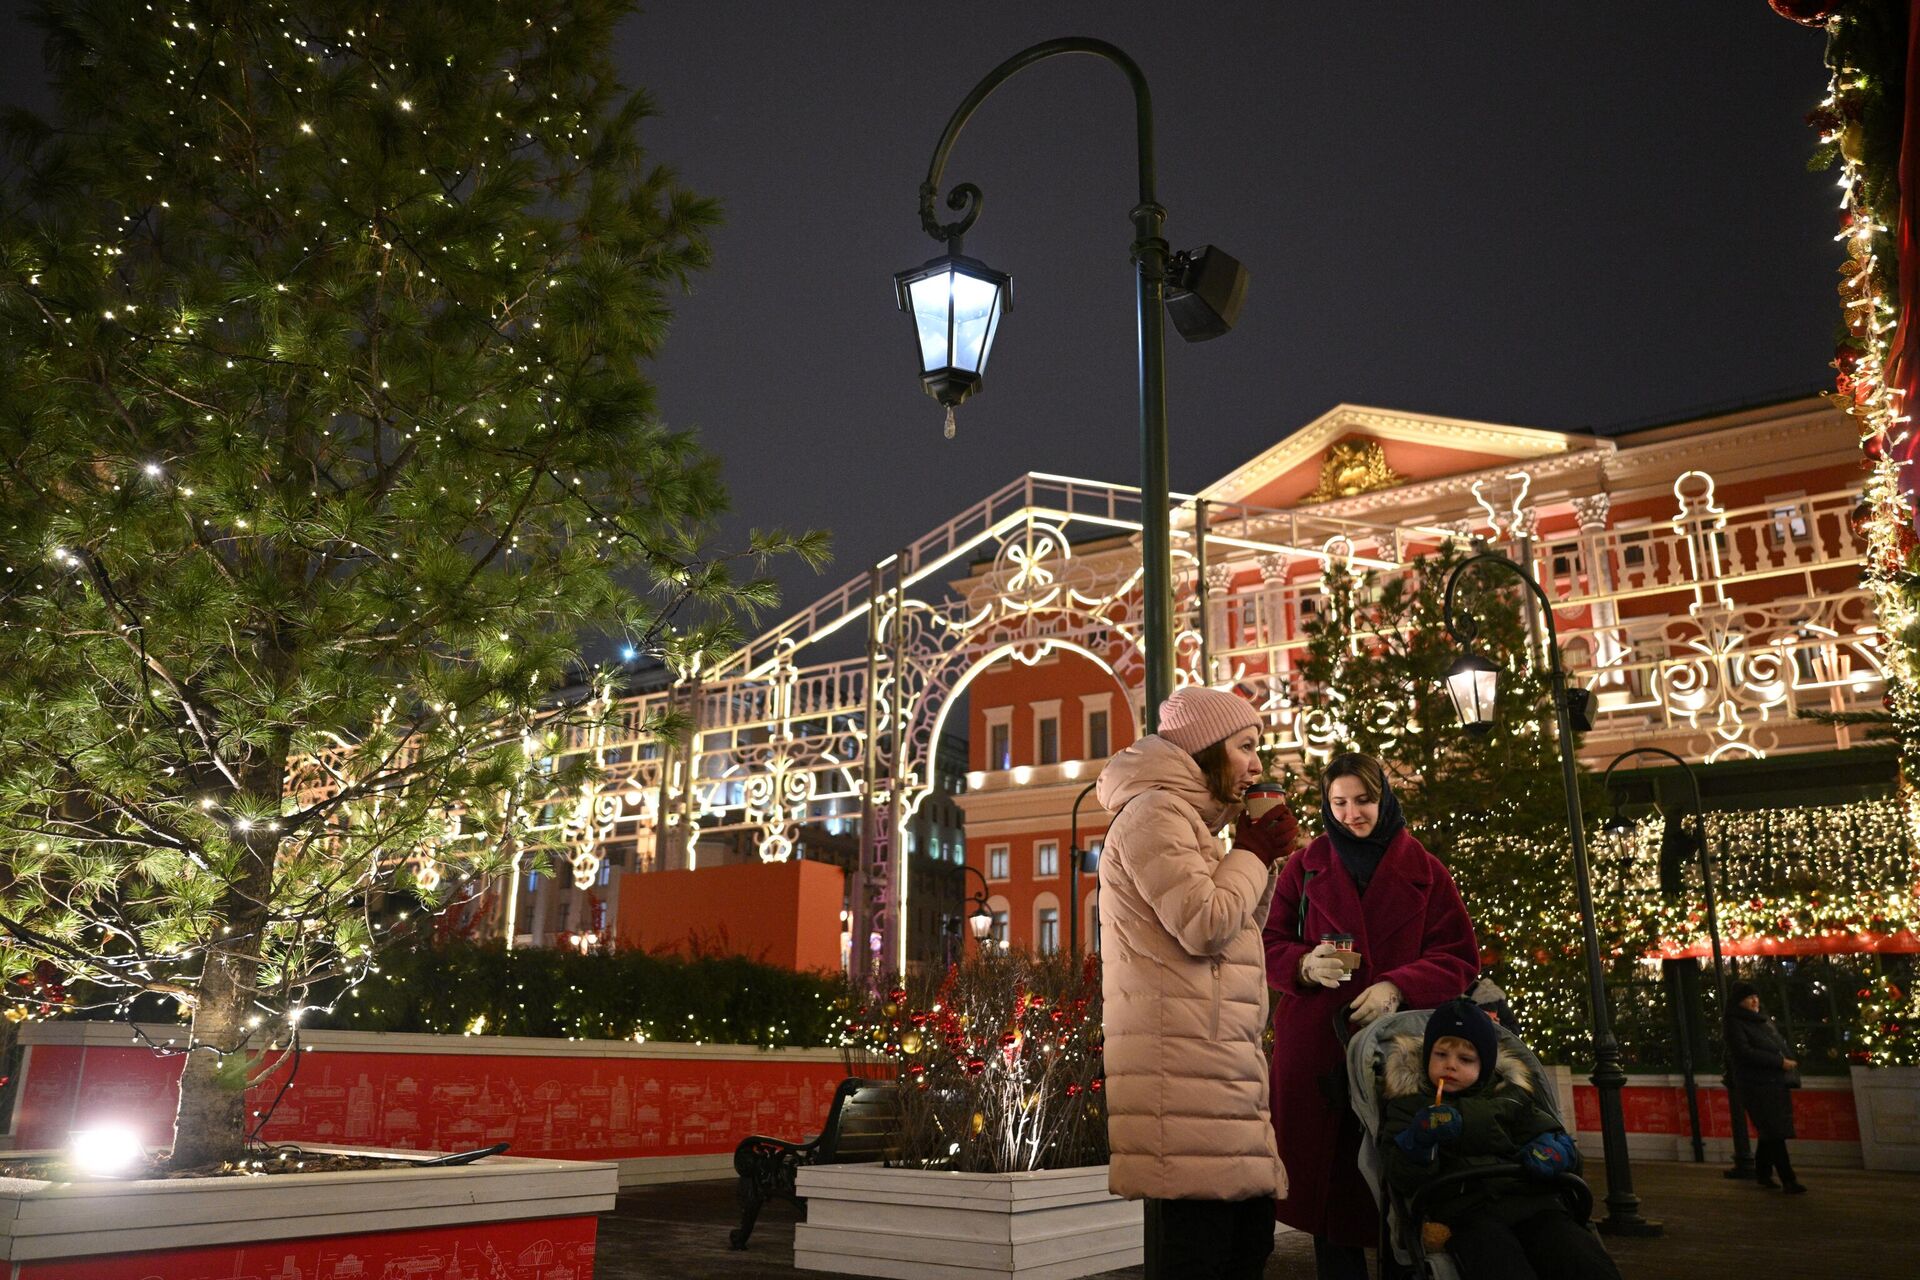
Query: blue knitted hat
pixel 1468 1021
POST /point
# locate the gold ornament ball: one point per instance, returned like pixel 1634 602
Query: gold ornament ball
pixel 910 1042
pixel 1853 142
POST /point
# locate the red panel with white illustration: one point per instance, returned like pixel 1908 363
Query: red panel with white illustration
pixel 546 1249
pixel 564 1108
pixel 1823 1115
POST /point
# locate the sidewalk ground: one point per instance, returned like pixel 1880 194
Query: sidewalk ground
pixel 1852 1224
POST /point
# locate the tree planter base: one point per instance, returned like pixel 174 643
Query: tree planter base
pixel 864 1219
pixel 1888 1104
pixel 515 1219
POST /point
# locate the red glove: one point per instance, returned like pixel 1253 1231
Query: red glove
pixel 1270 839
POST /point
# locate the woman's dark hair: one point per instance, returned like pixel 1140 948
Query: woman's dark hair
pixel 1219 770
pixel 1355 765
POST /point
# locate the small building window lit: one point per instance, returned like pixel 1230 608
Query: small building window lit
pixel 999 933
pixel 998 859
pixel 1046 858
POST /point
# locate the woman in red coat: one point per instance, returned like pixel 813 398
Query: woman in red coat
pixel 1367 878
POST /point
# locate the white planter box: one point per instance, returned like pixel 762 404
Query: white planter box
pixel 1887 1100
pixel 71 1220
pixel 864 1219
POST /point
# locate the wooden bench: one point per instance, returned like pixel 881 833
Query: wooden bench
pixel 862 1126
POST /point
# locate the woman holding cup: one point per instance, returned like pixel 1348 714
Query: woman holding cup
pixel 1185 991
pixel 1364 922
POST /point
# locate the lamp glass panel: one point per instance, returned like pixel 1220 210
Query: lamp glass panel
pixel 932 298
pixel 981 923
pixel 976 314
pixel 1474 692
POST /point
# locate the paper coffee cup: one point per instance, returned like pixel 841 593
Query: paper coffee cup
pixel 1260 799
pixel 1343 952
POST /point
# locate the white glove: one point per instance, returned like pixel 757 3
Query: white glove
pixel 1321 967
pixel 1377 1001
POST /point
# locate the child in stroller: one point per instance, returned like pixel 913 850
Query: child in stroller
pixel 1468 1151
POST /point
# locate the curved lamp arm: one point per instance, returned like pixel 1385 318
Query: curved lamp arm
pixel 986 889
pixel 1606 779
pixel 965 198
pixel 1461 625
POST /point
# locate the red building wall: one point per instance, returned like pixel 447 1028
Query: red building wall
pixel 1048 797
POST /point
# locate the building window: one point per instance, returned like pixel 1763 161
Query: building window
pixel 1098 746
pixel 1046 858
pixel 999 934
pixel 1633 550
pixel 1789 526
pixel 997 860
pixel 1047 936
pixel 1046 732
pixel 1000 745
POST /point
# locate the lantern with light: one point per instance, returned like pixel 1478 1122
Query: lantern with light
pixel 981 922
pixel 956 303
pixel 980 918
pixel 1473 683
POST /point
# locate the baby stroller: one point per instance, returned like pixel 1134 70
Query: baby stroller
pixel 1401 1219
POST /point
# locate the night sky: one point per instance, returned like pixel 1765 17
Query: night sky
pixel 1547 214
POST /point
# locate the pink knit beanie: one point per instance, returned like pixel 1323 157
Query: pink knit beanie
pixel 1194 718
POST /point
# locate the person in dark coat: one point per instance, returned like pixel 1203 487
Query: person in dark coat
pixel 1763 1066
pixel 1368 878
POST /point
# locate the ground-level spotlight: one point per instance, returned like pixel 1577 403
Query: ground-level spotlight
pixel 110 1151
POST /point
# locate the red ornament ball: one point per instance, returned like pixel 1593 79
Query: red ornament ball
pixel 1808 13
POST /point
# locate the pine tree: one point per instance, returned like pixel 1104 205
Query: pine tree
pixel 328 435
pixel 1492 807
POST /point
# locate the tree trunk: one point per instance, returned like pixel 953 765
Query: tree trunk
pixel 211 1124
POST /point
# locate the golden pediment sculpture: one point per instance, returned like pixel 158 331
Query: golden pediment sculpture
pixel 1353 467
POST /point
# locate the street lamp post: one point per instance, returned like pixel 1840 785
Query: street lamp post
pixel 980 919
pixel 1742 1152
pixel 1077 858
pixel 957 303
pixel 1473 685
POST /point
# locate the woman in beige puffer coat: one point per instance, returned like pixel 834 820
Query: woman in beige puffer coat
pixel 1184 982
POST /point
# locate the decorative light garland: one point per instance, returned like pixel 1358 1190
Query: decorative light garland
pixel 1855 120
pixel 1819 880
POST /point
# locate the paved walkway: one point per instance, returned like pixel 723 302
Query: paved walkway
pixel 1851 1226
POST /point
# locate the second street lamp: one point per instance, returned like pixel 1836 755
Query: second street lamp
pixel 980 919
pixel 956 303
pixel 1474 684
pixel 1742 1152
